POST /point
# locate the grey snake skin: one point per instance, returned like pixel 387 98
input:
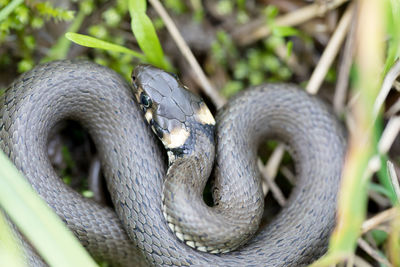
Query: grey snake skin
pixel 136 233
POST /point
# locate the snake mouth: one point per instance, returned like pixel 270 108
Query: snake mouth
pixel 137 90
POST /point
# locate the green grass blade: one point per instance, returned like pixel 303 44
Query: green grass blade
pixel 10 253
pixel 41 226
pixel 393 28
pixel 379 189
pixel 93 42
pixel 145 34
pixel 9 8
pixel 394 244
pixel 384 180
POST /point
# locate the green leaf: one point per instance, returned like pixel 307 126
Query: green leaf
pixel 289 49
pixel 25 65
pixel 9 8
pixel 231 88
pixel 383 173
pixel 39 224
pixel 271 12
pixel 93 42
pixel 145 34
pixel 393 29
pixel 224 7
pixel 284 31
pixel 137 6
pixel 47 10
pixel 379 236
pixel 379 189
pixel 87 193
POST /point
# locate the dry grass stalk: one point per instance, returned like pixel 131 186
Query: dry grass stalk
pixel 360 262
pixel 330 52
pixel 269 172
pixel 381 218
pixel 372 252
pixel 344 68
pixel 386 86
pixel 389 134
pixel 394 179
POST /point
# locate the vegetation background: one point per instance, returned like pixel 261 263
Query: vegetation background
pixel 344 51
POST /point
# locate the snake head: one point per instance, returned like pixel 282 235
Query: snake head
pixel 168 106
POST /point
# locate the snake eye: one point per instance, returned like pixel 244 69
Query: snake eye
pixel 145 100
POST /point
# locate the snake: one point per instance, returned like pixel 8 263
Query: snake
pixel 158 144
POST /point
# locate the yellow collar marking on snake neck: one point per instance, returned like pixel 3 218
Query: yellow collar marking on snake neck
pixel 148 115
pixel 204 115
pixel 176 138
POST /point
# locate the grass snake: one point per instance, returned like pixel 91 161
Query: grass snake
pixel 151 201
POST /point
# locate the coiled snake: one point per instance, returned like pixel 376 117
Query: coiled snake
pixel 134 167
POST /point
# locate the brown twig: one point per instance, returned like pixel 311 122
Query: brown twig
pixel 386 86
pixel 288 174
pixel 393 109
pixel 360 262
pixel 389 134
pixel 379 199
pixel 330 52
pixel 269 172
pixel 394 179
pixel 344 68
pixel 350 261
pixel 396 86
pixel 372 252
pixel 378 219
pixel 388 83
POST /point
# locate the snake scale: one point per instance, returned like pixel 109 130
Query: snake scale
pixel 136 233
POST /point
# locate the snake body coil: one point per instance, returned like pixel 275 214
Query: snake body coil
pixel 134 168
